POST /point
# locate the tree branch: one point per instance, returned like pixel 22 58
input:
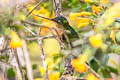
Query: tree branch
pixel 43 57
pixel 19 65
pixel 96 74
pixel 27 61
pixel 32 23
pixel 35 8
pixel 29 31
pixel 58 7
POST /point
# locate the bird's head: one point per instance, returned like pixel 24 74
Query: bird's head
pixel 59 20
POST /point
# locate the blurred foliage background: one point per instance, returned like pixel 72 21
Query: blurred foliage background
pixel 96 21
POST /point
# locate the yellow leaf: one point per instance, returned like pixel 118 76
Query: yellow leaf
pixel 112 36
pixel 15 40
pixel 80 64
pixel 30 8
pixel 42 12
pixel 74 15
pixel 89 1
pixel 91 76
pixel 50 63
pixel 22 16
pixel 104 1
pixel 42 70
pixel 83 25
pixel 96 40
pixel 82 22
pixel 83 57
pixel 54 76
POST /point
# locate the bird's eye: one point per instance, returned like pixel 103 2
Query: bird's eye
pixel 59 21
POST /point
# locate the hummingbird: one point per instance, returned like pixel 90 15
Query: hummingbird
pixel 68 38
pixel 63 23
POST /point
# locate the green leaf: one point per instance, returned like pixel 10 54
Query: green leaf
pixel 106 72
pixel 37 75
pixel 1 31
pixel 105 60
pixel 115 49
pixel 76 9
pixel 114 70
pixel 94 65
pixel 57 56
pixel 88 9
pixel 98 54
pixel 11 73
pixel 4 57
pixel 117 36
pixel 34 66
pixel 6 31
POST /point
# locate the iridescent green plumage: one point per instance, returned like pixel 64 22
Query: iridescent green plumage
pixel 63 23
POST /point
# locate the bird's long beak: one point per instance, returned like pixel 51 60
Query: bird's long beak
pixel 45 18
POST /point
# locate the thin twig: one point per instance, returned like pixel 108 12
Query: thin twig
pixel 32 23
pixel 53 36
pixel 35 8
pixel 27 61
pixel 19 65
pixel 40 25
pixel 43 57
pixel 44 37
pixel 58 39
pixel 42 54
pixel 97 75
pixel 6 63
pixel 5 49
pixel 39 31
pixel 30 31
pixel 31 39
